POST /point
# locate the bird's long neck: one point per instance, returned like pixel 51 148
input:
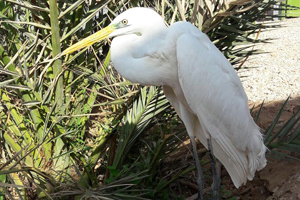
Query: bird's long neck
pixel 141 59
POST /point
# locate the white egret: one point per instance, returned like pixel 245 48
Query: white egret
pixel 197 79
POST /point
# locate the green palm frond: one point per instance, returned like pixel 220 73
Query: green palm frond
pixel 149 103
pixel 287 138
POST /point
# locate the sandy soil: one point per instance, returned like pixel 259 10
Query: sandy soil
pixel 275 75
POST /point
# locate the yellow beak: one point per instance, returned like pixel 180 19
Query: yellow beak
pixel 96 37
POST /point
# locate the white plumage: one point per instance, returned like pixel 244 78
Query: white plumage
pixel 198 81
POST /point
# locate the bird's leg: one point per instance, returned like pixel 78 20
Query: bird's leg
pixel 200 177
pixel 189 120
pixel 216 166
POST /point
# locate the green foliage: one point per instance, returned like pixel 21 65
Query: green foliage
pixel 73 128
pixel 286 139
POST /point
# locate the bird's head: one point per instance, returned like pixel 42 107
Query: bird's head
pixel 136 21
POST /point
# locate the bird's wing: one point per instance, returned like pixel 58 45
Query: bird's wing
pixel 215 94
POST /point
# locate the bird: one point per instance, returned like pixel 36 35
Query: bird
pixel 198 81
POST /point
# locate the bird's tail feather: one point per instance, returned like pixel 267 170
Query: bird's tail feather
pixel 239 164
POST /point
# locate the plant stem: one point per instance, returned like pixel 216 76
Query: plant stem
pixel 57 68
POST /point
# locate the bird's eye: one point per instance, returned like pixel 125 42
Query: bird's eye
pixel 124 21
